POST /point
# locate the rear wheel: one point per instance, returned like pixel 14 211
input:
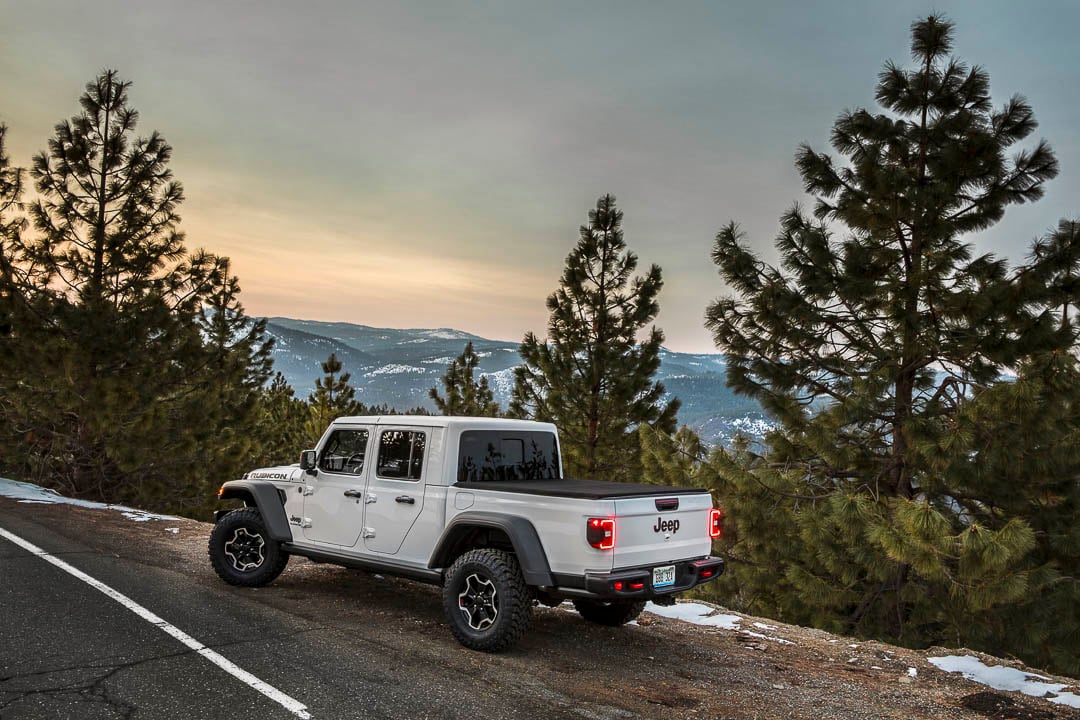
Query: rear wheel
pixel 486 600
pixel 242 551
pixel 612 613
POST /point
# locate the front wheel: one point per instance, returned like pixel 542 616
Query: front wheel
pixel 242 551
pixel 486 600
pixel 613 613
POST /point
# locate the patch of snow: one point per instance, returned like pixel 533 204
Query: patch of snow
pixel 414 342
pixel 1006 678
pixel 396 369
pixel 138 515
pixel 697 614
pixel 701 614
pixel 445 334
pixel 438 361
pixel 753 426
pixel 912 672
pixel 782 641
pixel 31 494
pixel 501 382
pixel 174 531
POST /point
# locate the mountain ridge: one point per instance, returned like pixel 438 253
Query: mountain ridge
pixel 398 367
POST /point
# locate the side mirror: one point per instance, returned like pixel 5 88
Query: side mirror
pixel 307 461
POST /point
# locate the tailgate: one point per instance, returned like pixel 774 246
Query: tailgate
pixel 661 529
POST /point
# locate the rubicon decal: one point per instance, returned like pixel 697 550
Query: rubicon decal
pixel 662 525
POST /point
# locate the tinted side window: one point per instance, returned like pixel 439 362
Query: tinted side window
pixel 401 454
pixel 495 455
pixel 344 452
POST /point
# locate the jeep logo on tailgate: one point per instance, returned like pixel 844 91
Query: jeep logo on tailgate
pixel 663 525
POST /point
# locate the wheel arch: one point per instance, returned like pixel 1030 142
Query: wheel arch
pixel 269 500
pixel 462 533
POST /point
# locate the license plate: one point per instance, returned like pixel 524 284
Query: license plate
pixel 663 576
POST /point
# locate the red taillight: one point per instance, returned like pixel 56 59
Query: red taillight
pixel 600 533
pixel 637 586
pixel 618 586
pixel 705 574
pixel 715 516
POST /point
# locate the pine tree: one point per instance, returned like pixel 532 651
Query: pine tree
pixel 282 428
pixel 674 460
pixel 866 346
pixel 11 224
pixel 591 377
pixel 464 394
pixel 118 392
pixel 334 397
pixel 238 366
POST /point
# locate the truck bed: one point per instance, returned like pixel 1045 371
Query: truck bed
pixel 582 489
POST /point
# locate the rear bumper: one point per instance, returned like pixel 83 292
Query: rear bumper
pixel 637 583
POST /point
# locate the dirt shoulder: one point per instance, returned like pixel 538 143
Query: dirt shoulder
pixel 662 667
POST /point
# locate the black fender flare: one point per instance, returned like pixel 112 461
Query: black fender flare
pixel 267 498
pixel 522 534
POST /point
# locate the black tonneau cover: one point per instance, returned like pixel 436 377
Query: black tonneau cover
pixel 584 489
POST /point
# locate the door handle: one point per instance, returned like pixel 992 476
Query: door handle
pixel 354 493
pixel 405 499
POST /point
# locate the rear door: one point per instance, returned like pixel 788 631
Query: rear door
pixel 395 493
pixel 657 530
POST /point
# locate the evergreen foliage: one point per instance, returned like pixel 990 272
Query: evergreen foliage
pixel 11 224
pixel 675 460
pixel 334 397
pixel 591 377
pixel 465 395
pixel 283 421
pixel 129 368
pixel 878 345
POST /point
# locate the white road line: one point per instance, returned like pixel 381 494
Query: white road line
pixel 290 704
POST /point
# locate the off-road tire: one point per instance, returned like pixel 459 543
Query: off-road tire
pixel 612 614
pixel 242 551
pixel 486 600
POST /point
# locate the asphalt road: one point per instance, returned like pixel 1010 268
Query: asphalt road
pixel 70 651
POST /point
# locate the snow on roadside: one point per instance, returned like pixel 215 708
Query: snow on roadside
pixel 698 613
pixel 1000 677
pixel 36 495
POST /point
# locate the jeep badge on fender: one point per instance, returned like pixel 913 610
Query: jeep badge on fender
pixel 662 525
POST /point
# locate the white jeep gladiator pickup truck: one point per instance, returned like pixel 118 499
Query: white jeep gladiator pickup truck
pixel 478 506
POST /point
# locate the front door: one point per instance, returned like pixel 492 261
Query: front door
pixel 334 497
pixel 395 488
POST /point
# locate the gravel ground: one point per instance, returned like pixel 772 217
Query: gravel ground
pixel 660 668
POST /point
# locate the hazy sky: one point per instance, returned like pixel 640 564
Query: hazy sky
pixel 428 164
